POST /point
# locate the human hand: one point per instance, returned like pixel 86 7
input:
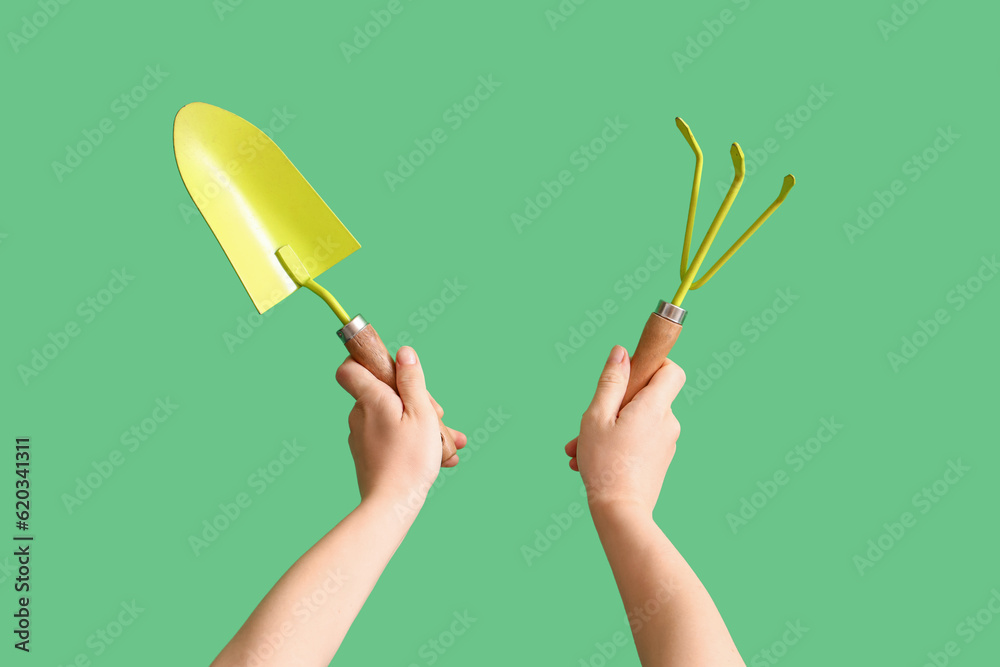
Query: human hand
pixel 624 456
pixel 394 438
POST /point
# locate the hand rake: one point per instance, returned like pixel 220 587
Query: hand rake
pixel 664 324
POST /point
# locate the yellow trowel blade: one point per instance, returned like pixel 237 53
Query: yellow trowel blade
pixel 255 201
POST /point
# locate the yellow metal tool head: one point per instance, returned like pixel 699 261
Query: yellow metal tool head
pixel 689 271
pixel 255 201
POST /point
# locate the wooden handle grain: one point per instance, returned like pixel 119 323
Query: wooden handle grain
pixel 367 348
pixel 655 343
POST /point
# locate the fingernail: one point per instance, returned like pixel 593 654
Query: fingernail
pixel 406 356
pixel 617 354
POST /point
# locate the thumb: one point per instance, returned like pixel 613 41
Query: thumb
pixel 611 386
pixel 410 382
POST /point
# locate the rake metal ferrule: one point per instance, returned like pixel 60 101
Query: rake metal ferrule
pixel 669 311
pixel 688 272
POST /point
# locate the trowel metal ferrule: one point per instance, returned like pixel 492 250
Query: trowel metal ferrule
pixel 352 328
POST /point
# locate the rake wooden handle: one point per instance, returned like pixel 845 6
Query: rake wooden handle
pixel 367 349
pixel 655 343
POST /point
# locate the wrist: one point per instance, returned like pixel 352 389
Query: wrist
pixel 402 505
pixel 617 511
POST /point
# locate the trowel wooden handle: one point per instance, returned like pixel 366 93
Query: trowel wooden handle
pixel 367 349
pixel 655 343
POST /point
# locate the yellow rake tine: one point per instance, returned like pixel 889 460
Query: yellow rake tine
pixel 786 187
pixel 739 167
pixel 698 161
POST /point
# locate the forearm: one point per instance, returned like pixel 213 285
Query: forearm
pixel 674 620
pixel 305 616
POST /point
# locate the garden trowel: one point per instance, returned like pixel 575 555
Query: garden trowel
pixel 276 230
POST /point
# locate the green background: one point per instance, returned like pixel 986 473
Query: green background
pixel 494 347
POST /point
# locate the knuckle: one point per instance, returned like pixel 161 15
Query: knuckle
pixel 609 379
pixel 677 371
pixel 409 381
pixel 589 421
pixel 341 374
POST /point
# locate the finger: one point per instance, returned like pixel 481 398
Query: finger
pixel 410 382
pixel 437 406
pixel 664 386
pixel 571 447
pixel 451 463
pixel 611 386
pixel 358 381
pixel 458 437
